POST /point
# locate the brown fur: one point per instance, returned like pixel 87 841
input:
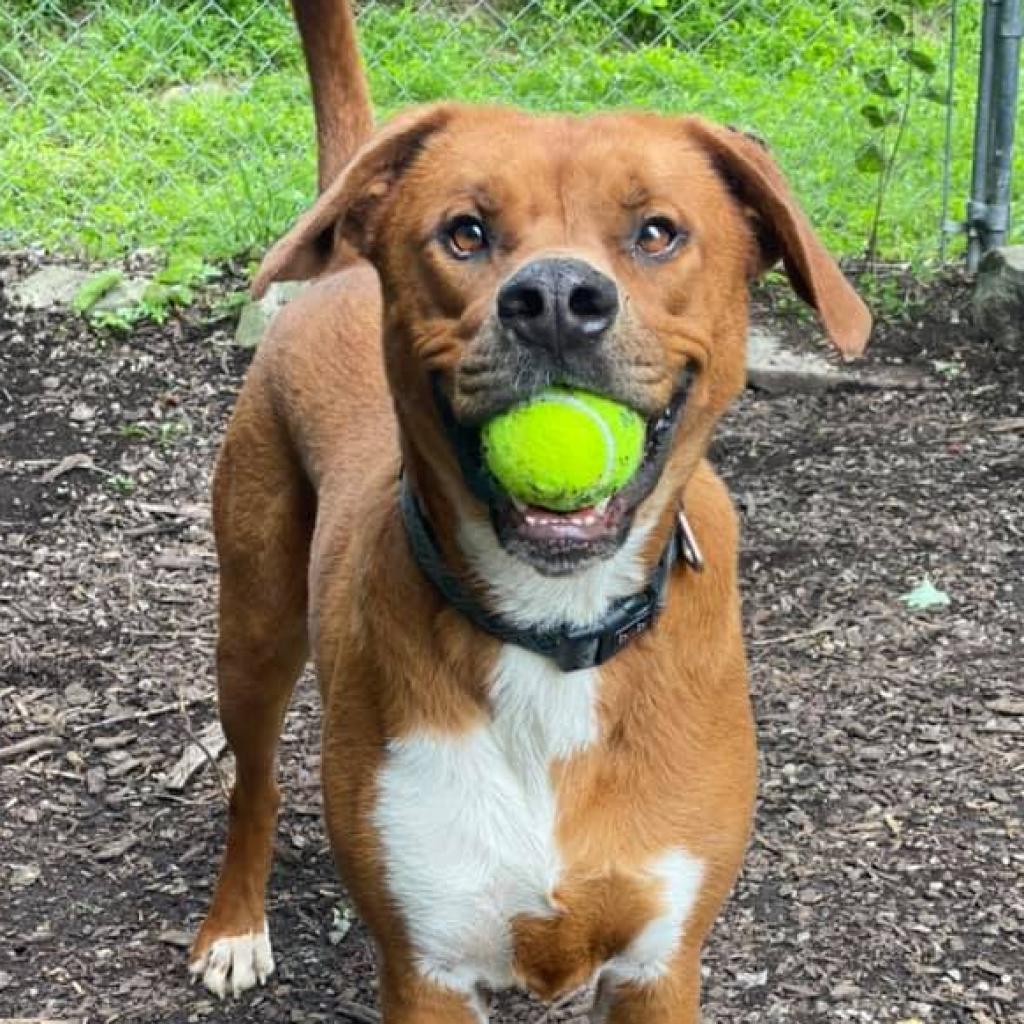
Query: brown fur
pixel 313 554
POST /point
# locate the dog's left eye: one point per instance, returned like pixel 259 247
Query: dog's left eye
pixel 659 237
pixel 466 236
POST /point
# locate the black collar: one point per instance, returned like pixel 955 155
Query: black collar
pixel 570 647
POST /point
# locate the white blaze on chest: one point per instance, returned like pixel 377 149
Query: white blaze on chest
pixel 467 822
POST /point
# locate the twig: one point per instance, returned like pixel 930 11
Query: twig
pixel 131 716
pixel 202 747
pixel 178 776
pixel 27 746
pixel 583 996
pixel 69 465
pixel 825 627
pixel 170 526
pixel 1007 426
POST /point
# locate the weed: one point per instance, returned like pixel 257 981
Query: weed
pixel 880 154
pixel 164 435
pixel 173 286
pixel 121 483
pixel 95 288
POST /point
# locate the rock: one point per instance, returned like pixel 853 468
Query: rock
pixel 773 367
pixel 256 316
pixel 999 295
pixel 49 287
pixel 57 286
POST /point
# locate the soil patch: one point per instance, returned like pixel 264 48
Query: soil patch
pixel 883 883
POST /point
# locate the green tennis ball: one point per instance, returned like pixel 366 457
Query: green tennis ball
pixel 564 450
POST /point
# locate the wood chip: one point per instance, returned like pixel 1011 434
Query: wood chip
pixel 28 745
pixel 208 744
pixel 117 849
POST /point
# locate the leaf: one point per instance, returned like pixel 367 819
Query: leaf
pixel 870 159
pixel 186 269
pixel 94 288
pixel 920 60
pixel 934 95
pixel 924 596
pixel 877 117
pixel 877 81
pixel 890 21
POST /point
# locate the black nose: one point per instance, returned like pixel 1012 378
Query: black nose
pixel 558 304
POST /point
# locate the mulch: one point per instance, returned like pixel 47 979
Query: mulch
pixel 884 880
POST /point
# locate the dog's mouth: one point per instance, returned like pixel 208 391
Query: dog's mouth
pixel 558 543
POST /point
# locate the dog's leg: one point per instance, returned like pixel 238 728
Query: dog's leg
pixel 263 513
pixel 673 999
pixel 409 998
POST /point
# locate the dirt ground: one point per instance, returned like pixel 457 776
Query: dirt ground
pixel 884 881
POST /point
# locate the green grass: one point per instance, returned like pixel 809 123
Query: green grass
pixel 99 158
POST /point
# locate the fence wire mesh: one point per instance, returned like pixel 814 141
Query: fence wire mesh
pixel 187 123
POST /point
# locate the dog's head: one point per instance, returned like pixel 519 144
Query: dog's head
pixel 611 253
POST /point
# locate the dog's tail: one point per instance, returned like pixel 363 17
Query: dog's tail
pixel 341 98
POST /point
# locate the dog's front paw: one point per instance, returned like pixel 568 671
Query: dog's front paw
pixel 234 963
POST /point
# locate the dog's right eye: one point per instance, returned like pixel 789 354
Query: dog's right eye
pixel 466 236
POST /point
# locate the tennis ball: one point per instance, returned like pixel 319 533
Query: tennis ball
pixel 564 450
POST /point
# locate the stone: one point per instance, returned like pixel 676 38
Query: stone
pixel 49 287
pixel 256 315
pixel 998 301
pixel 54 286
pixel 777 368
pixel 773 367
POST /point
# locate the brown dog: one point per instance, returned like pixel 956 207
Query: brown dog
pixel 538 758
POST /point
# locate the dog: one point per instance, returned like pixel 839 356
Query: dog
pixel 538 755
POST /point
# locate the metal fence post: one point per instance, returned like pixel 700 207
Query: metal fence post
pixel 988 210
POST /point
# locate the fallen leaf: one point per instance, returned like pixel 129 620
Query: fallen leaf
pixel 924 596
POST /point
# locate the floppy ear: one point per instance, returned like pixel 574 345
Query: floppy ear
pixel 346 211
pixel 782 230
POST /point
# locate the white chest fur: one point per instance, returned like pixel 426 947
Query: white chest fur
pixel 468 829
pixel 467 822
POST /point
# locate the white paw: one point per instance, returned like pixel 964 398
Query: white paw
pixel 235 964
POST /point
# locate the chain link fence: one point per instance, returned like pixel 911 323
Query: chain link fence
pixel 186 124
